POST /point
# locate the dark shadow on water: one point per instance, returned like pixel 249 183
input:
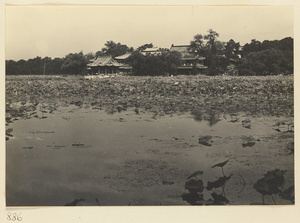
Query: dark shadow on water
pixel 210 116
pixel 250 144
pixel 75 202
pixel 219 199
pixel 193 198
pixel 197 115
pixel 205 140
pixel 273 184
pixel 114 109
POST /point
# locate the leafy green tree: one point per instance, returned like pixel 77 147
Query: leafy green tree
pixel 114 49
pixel 198 45
pixel 232 50
pixel 74 63
pixel 145 46
pixel 264 62
pixel 254 46
pixel 280 60
pixel 54 66
pixel 211 38
pixel 227 63
pixel 137 61
pixel 34 66
pixel 214 53
pixel 89 56
pixel 46 62
pixel 153 65
pixel 212 49
pixel 286 45
pixel 11 67
pixel 174 60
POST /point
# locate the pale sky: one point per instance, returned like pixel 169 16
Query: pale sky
pixel 56 31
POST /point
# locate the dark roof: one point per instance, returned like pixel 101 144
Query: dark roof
pixel 186 52
pixel 123 57
pixel 104 61
pixel 153 49
pixel 181 48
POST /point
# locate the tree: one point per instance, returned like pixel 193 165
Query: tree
pixel 254 46
pixel 74 63
pixel 153 65
pixel 145 46
pixel 231 57
pixel 54 66
pixel 211 38
pixel 33 66
pixel 198 44
pixel 174 60
pixel 280 60
pixel 286 45
pixel 215 54
pixel 114 49
pixel 232 50
pixel 46 61
pixel 11 67
pixel 137 61
pixel 212 49
pixel 89 56
pixel 264 62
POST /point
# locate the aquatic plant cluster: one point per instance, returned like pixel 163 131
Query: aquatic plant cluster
pixel 28 96
pixel 271 184
pixel 195 187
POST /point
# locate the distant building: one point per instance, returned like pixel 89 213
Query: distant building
pixel 122 58
pixel 106 65
pixel 151 51
pixel 191 62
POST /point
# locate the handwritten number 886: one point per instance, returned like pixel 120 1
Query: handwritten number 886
pixel 14 217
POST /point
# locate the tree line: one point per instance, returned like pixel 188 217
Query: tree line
pixel 254 58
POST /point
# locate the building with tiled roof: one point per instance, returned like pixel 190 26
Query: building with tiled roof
pixel 191 62
pixel 107 65
pixel 123 57
pixel 151 51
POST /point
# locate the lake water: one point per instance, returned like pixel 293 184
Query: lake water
pixel 138 159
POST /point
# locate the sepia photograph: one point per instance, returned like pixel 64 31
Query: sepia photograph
pixel 149 105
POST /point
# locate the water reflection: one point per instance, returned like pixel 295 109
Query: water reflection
pixel 210 116
pixel 114 109
pixel 197 115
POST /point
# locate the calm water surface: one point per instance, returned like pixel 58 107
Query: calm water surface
pixel 134 159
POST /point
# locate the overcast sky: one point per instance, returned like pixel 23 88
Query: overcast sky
pixel 58 30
